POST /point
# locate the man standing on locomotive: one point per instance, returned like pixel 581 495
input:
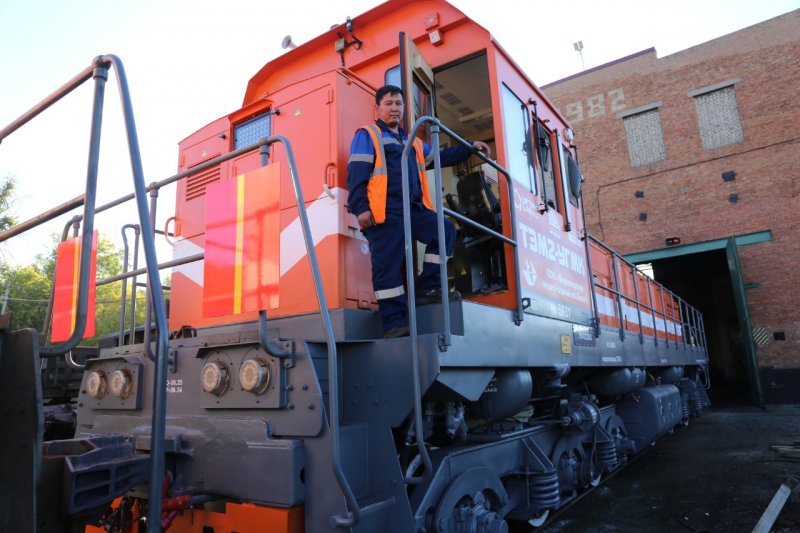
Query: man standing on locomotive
pixel 374 178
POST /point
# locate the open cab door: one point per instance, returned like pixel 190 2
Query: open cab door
pixel 460 97
pixel 416 78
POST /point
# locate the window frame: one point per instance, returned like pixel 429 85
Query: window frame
pixel 531 184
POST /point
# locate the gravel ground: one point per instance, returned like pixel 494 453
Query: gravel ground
pixel 716 475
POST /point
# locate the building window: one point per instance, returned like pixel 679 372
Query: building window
pixel 718 115
pixel 645 139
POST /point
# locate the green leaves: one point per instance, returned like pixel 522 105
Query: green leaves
pixel 7 185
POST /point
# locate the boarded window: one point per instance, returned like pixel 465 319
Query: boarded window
pixel 718 118
pixel 645 139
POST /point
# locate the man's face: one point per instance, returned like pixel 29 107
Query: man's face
pixel 390 109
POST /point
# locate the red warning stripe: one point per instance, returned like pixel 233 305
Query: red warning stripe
pixel 65 299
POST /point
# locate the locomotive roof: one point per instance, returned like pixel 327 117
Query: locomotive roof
pixel 382 39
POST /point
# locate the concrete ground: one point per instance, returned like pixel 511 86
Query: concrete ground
pixel 716 475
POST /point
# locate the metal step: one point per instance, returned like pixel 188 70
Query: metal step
pixel 375 513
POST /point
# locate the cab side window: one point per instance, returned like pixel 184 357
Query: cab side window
pixel 545 154
pixel 517 133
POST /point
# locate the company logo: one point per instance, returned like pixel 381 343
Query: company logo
pixel 529 272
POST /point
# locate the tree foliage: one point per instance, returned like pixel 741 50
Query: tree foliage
pixel 7 185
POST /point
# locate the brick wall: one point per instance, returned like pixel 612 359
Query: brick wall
pixel 684 194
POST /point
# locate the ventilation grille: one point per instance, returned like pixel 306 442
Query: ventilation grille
pixel 196 185
pixel 451 99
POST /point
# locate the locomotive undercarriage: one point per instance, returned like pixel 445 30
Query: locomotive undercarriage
pixel 509 442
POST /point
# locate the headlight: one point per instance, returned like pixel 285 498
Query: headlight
pixel 96 384
pixel 121 384
pixel 254 375
pixel 215 378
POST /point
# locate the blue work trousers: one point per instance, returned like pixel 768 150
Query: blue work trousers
pixel 386 245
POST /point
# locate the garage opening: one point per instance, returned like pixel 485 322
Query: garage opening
pixel 704 280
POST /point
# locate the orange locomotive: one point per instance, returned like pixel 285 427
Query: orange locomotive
pixel 287 411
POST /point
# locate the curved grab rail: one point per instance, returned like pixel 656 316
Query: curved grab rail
pixel 98 70
pixel 157 433
pixel 333 367
pixel 412 308
pixel 100 75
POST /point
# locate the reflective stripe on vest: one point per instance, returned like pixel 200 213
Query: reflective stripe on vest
pixel 379 179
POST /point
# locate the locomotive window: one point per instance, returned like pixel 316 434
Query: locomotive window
pixel 392 76
pixel 545 153
pixel 249 132
pixel 420 99
pixel 517 132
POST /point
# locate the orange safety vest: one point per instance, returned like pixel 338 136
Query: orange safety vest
pixel 378 181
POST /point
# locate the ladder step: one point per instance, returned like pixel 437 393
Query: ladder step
pixel 375 514
pixel 372 503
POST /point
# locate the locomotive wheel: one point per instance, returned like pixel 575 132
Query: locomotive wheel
pixel 471 503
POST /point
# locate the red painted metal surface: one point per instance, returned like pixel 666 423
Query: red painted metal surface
pixel 66 290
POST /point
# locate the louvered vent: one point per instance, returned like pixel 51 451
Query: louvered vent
pixel 196 185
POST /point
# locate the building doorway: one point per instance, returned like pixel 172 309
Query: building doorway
pixel 709 280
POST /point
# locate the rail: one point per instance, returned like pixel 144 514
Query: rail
pixel 98 70
pixel 333 365
pixel 691 322
pixel 269 346
pixel 445 336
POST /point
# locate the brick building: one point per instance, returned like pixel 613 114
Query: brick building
pixel 702 146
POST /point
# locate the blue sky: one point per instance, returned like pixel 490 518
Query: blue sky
pixel 188 63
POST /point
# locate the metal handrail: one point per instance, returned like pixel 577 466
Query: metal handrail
pixel 98 70
pixel 435 128
pixel 124 292
pixel 100 76
pixel 333 366
pixel 622 296
pixel 638 304
pixel 79 200
pixel 684 319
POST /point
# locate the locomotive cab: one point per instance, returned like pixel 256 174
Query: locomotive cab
pixel 478 93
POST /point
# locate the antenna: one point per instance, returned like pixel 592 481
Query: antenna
pixel 579 48
pixel 287 43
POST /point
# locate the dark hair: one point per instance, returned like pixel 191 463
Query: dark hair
pixel 391 90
